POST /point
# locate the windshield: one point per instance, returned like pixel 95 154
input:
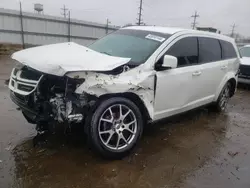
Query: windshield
pixel 135 44
pixel 245 52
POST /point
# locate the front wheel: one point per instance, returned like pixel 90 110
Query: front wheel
pixel 224 97
pixel 115 127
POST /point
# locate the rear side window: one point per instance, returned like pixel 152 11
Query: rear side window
pixel 209 50
pixel 228 51
pixel 186 51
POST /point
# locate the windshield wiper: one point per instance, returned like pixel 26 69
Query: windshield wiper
pixel 106 53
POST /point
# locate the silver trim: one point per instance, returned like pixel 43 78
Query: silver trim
pixel 19 81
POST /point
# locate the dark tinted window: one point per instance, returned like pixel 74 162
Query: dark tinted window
pixel 186 51
pixel 209 50
pixel 228 50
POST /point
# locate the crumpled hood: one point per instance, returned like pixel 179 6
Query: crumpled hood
pixel 245 61
pixel 58 59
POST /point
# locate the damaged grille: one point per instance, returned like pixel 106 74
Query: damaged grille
pixel 24 81
pixel 25 87
pixel 30 74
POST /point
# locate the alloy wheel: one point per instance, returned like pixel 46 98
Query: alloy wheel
pixel 117 127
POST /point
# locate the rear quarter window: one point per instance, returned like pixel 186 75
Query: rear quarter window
pixel 228 50
pixel 209 50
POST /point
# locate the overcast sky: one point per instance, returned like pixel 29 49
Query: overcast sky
pixel 221 14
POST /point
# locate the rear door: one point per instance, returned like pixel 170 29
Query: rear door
pixel 212 69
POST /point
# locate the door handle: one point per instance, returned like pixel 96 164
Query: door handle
pixel 224 67
pixel 197 73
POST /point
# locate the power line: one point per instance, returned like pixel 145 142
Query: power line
pixel 140 14
pixel 233 30
pixel 195 16
pixel 65 10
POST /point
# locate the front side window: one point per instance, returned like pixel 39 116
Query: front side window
pixel 245 52
pixel 228 51
pixel 186 51
pixel 209 50
pixel 135 44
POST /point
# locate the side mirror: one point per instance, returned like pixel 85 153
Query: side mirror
pixel 169 62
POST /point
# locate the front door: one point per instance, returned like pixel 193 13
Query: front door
pixel 175 88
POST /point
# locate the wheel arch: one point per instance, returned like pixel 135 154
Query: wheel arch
pixel 134 98
pixel 231 78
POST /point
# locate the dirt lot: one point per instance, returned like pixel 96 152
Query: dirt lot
pixel 197 149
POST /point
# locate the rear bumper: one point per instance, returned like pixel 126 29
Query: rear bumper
pixel 30 114
pixel 244 80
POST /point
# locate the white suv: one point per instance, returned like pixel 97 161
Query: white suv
pixel 124 80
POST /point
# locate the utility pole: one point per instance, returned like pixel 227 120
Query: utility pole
pixel 195 16
pixel 140 14
pixel 69 27
pixel 64 9
pixel 233 29
pixel 21 20
pixel 107 26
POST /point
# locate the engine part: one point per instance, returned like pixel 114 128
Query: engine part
pixel 59 108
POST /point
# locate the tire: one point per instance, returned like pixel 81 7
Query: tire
pixel 222 102
pixel 107 126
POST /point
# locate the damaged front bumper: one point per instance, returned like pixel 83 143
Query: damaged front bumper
pixel 62 111
pixel 31 115
pixel 48 98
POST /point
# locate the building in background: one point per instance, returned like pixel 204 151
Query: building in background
pixel 31 29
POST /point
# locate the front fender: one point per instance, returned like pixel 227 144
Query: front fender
pixel 138 82
pixel 227 77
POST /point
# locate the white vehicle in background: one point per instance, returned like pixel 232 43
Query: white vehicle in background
pixel 244 75
pixel 132 76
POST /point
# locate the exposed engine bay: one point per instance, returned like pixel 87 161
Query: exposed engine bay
pixel 58 94
pixel 47 98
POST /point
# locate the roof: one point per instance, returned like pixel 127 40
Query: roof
pixel 173 30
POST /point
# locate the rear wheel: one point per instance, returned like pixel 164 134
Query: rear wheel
pixel 115 127
pixel 223 99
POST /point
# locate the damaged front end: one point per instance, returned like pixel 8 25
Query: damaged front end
pixel 48 98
